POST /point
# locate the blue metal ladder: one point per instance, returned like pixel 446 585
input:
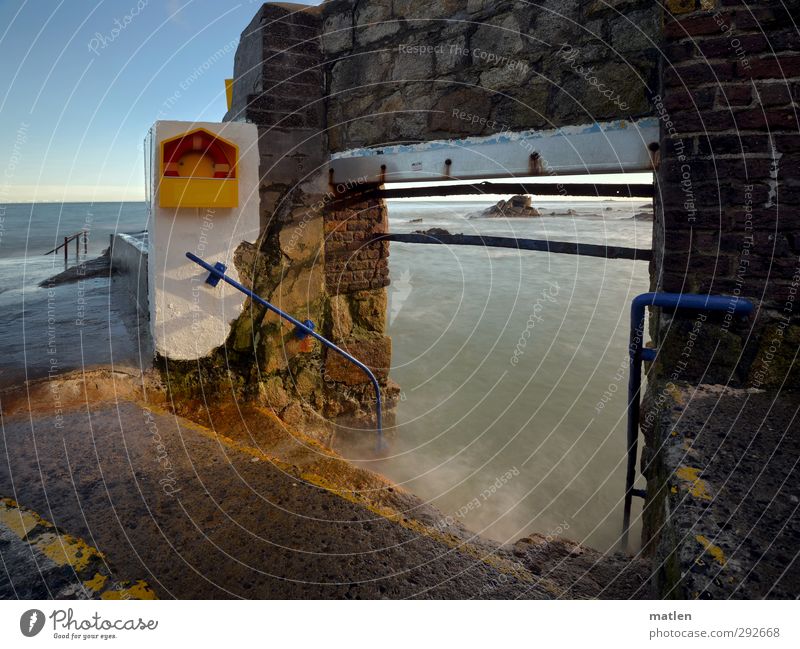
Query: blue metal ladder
pixel 639 353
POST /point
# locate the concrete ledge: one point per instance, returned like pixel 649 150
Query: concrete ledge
pixel 129 261
pixel 721 519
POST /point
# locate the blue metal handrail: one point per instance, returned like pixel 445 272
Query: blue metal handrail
pixel 639 353
pixel 302 329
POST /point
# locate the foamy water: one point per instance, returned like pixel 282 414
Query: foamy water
pixel 51 331
pixel 503 358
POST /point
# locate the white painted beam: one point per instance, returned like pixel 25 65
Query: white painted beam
pixel 608 147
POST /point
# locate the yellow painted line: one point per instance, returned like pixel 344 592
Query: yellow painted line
pixel 67 550
pixel 675 392
pixel 696 486
pixel 498 563
pixel 714 550
pixel 19 522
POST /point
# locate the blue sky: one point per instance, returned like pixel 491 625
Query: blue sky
pixel 81 82
pixel 78 92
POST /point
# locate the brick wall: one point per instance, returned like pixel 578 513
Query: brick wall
pixel 352 262
pixel 728 215
pixel 277 70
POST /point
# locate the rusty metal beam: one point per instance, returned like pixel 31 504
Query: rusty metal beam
pixel 539 245
pixel 617 146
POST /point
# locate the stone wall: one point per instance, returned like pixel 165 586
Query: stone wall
pixel 369 72
pixel 727 215
pixel 399 70
pixel 356 273
pixel 312 261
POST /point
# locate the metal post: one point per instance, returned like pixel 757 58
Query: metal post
pixel 66 242
pixel 85 243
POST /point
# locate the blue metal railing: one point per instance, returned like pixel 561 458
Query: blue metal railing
pixel 639 353
pixel 302 329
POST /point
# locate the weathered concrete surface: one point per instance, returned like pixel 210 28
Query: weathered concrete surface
pixel 42 562
pixel 721 520
pixel 201 514
pixel 97 267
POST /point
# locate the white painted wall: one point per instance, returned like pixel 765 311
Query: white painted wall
pixel 189 318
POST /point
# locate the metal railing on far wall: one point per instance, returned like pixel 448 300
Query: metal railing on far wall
pixel 83 236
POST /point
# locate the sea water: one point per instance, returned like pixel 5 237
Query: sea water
pixel 512 365
pixel 512 368
pixel 45 331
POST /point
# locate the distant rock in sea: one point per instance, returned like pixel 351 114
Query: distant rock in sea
pixel 515 207
pixel 432 232
pixel 415 221
pixel 646 206
pixel 643 216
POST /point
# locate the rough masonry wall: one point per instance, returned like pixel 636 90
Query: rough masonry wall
pixel 401 70
pixel 299 264
pixel 357 272
pixel 728 214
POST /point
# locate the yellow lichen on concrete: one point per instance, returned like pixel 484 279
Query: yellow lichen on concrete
pixel 696 486
pixel 96 583
pixel 67 550
pixel 139 590
pixel 714 550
